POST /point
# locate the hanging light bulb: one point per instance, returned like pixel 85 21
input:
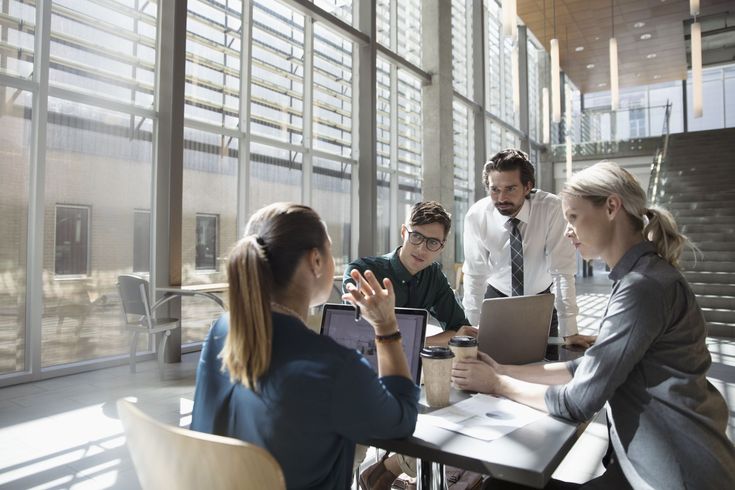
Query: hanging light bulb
pixel 555 82
pixel 545 116
pixel 694 7
pixel 614 93
pixel 510 29
pixel 697 69
pixel 569 130
pixel 516 81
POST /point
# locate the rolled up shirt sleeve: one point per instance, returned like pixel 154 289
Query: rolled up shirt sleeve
pixel 476 268
pixel 635 317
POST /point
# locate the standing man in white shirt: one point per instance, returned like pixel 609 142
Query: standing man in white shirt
pixel 514 245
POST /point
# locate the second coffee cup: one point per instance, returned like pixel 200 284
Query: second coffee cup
pixel 464 347
pixel 437 364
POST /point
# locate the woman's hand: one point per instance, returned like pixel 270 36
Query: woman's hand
pixel 376 303
pixel 481 374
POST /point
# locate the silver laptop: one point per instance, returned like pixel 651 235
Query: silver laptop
pixel 515 330
pixel 338 322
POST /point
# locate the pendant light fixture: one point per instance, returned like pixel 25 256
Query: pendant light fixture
pixel 545 116
pixel 614 93
pixel 696 38
pixel 569 131
pixel 694 8
pixel 516 80
pixel 510 11
pixel 545 131
pixel 555 83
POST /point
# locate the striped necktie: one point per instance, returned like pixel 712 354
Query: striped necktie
pixel 516 258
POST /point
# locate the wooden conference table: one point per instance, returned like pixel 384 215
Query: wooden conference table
pixel 526 456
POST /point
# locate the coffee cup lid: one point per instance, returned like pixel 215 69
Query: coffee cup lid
pixel 463 341
pixel 437 353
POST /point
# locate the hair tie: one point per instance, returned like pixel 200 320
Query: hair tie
pixel 262 245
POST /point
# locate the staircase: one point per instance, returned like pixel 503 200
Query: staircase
pixel 698 187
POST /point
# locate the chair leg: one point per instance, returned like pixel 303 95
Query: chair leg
pixel 133 350
pixel 162 350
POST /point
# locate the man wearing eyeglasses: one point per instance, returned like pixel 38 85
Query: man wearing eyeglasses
pixel 416 275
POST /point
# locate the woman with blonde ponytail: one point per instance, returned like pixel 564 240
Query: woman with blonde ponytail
pixel 649 364
pixel 265 378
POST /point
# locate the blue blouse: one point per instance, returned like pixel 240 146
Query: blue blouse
pixel 314 402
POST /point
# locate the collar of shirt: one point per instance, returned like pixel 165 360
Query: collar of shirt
pixel 523 215
pixel 630 258
pixel 399 271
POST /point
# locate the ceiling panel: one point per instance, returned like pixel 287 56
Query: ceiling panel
pixel 588 24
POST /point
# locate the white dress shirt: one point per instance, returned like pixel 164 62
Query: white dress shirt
pixel 548 256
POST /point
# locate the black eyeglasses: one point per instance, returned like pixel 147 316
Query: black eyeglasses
pixel 432 244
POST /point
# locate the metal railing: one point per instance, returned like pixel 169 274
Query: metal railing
pixel 599 132
pixel 659 158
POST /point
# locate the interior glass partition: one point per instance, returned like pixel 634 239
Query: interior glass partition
pixel 99 155
pixel 98 173
pixel 15 140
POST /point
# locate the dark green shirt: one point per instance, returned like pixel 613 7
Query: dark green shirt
pixel 429 289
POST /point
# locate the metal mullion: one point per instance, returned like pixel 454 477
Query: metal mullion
pixel 393 126
pixel 308 115
pixel 243 175
pixel 37 192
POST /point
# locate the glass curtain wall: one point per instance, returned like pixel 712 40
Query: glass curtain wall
pixel 463 120
pixel 399 129
pixel 99 156
pixel 296 145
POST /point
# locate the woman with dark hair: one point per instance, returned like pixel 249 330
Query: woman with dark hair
pixel 265 378
pixel 650 361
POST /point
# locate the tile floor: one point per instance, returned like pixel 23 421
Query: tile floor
pixel 64 432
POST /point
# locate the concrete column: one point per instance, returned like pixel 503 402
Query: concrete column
pixel 438 142
pixel 169 161
pixel 365 200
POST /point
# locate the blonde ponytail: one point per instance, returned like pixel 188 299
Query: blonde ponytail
pixel 664 233
pixel 247 350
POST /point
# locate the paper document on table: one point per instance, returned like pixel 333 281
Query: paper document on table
pixel 483 417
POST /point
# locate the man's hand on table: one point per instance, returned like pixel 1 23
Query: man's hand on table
pixel 578 340
pixel 467 330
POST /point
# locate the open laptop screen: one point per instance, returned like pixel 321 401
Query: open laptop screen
pixel 338 322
